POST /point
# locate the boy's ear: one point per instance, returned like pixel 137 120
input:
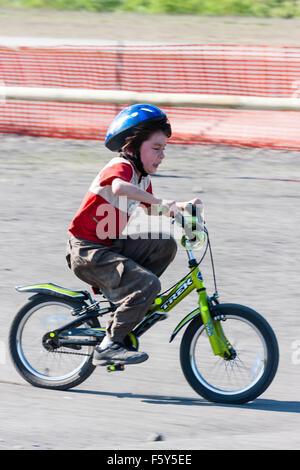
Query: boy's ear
pixel 128 150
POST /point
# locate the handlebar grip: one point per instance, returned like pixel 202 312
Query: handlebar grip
pixel 191 209
pixel 188 231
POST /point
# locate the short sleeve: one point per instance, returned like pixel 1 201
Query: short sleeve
pixel 119 170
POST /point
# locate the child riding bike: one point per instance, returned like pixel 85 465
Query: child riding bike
pixel 126 270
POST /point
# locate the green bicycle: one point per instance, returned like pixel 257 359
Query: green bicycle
pixel 228 352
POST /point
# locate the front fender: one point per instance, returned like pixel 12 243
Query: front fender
pixel 183 322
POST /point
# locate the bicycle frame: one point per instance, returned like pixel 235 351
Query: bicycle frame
pixel 163 304
pixel 158 310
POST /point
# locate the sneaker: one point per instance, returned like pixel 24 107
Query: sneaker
pixel 117 353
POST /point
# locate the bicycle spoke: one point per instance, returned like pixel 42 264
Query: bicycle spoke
pixel 54 365
pixel 238 374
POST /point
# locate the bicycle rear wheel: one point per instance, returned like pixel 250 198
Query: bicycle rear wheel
pixel 53 368
pixel 244 377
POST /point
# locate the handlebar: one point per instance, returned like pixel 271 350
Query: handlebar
pixel 192 223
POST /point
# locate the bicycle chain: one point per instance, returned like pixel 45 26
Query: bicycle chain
pixel 67 352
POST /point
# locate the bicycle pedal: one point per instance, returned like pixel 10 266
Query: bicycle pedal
pixel 114 367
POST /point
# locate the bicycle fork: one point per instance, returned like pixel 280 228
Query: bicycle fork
pixel 218 341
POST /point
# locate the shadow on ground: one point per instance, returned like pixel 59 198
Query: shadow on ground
pixel 258 404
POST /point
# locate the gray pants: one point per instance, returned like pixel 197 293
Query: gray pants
pixel 126 272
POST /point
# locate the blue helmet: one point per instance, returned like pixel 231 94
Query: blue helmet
pixel 128 120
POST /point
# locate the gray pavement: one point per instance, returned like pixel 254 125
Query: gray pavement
pixel 251 199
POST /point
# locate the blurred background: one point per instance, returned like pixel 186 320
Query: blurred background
pixel 242 162
pixel 257 8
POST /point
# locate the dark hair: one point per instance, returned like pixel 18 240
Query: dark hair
pixel 143 132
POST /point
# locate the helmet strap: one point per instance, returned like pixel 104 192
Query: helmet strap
pixel 137 162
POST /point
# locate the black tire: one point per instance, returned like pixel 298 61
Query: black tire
pixel 21 362
pixel 268 366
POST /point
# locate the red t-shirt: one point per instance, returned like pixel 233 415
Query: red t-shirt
pixel 102 215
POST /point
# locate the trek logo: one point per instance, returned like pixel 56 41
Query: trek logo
pixel 176 294
pixel 209 328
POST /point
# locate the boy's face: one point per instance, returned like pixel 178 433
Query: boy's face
pixel 152 151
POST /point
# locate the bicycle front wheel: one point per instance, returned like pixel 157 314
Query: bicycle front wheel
pixel 242 378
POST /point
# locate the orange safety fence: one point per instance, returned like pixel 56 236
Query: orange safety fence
pixel 261 71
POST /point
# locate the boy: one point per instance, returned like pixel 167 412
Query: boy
pixel 125 270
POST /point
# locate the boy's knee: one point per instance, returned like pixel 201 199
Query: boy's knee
pixel 148 288
pixel 145 290
pixel 153 286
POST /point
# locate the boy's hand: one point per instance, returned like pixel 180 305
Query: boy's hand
pixel 195 202
pixel 168 208
pixel 171 208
